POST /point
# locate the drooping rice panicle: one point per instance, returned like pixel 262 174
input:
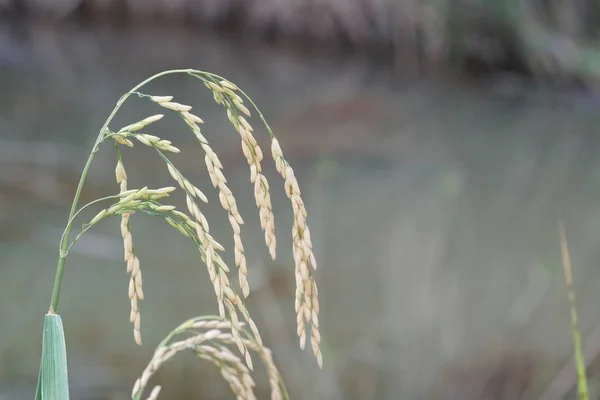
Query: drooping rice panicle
pixel 135 291
pixel 210 345
pixel 225 95
pixel 275 379
pixel 228 202
pixel 307 302
pixel 237 374
pixel 217 269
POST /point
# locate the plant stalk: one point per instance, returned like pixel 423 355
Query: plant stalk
pixel 582 384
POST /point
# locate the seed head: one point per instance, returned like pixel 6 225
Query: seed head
pixel 228 85
pixel 161 99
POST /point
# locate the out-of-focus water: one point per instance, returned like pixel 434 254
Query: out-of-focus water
pixel 432 209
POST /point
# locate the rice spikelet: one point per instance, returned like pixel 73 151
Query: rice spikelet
pixel 154 393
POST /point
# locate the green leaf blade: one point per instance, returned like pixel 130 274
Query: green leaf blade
pixel 53 382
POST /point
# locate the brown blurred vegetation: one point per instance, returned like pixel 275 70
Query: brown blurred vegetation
pixel 540 38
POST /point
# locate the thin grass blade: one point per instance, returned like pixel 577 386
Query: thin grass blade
pixel 582 384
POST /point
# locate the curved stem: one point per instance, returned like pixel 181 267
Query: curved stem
pixel 260 114
pixel 64 243
pixel 83 208
pixel 67 233
pixel 188 324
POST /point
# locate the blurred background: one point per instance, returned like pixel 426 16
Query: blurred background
pixel 433 140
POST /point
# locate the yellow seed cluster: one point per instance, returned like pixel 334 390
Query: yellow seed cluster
pixel 232 368
pixel 228 202
pixel 135 199
pixel 225 94
pixel 141 124
pixel 154 141
pixel 307 301
pixel 211 346
pixel 135 291
pixel 228 301
pixel 217 269
pixel 123 135
pixel 121 138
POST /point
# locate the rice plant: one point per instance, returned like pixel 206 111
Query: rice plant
pixel 208 337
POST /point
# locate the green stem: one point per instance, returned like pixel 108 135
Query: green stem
pixel 83 208
pixel 64 243
pixel 582 384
